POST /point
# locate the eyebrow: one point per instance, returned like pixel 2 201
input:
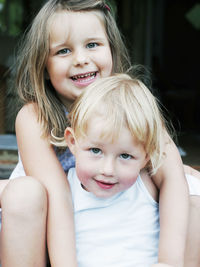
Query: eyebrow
pixel 57 45
pixel 96 39
pixel 91 39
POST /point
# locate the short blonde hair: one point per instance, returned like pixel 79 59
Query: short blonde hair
pixel 125 101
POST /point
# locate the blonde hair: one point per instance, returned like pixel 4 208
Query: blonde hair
pixel 125 101
pixel 31 62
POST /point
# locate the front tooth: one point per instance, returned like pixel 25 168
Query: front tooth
pixel 84 76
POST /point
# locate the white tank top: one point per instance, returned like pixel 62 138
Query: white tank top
pixel 122 231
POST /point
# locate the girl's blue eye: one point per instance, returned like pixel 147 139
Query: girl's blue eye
pixel 63 51
pixel 92 45
pixel 95 150
pixel 125 156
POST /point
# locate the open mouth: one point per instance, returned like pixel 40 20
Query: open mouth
pixel 84 77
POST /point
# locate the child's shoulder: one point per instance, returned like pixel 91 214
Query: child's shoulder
pixel 29 130
pixel 27 117
pixel 149 184
pixel 27 111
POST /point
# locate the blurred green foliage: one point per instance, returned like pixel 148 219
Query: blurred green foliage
pixel 11 17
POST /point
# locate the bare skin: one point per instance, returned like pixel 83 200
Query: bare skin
pixel 16 214
pixel 192 245
pixel 57 201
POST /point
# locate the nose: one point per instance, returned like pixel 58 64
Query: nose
pixel 81 58
pixel 107 167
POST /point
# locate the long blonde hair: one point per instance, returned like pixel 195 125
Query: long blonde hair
pixel 126 101
pixel 34 50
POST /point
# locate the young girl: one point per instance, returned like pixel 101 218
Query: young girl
pixel 115 136
pixel 69 45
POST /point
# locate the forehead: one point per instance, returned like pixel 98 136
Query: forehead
pixel 99 126
pixel 99 132
pixel 70 24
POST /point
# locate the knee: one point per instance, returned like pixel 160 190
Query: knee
pixel 24 197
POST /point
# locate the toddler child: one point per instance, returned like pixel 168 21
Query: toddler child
pixel 115 135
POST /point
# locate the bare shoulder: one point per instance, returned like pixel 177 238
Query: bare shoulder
pixel 37 154
pixel 151 187
pixel 28 129
pixel 27 112
pixel 27 121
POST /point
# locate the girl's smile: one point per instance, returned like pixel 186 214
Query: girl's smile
pixel 79 52
pixel 84 79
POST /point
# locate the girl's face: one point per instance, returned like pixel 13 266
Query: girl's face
pixel 79 53
pixel 105 167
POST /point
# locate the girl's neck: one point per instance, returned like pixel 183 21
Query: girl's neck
pixel 66 102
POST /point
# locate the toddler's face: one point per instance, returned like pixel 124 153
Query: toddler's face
pixel 79 53
pixel 106 167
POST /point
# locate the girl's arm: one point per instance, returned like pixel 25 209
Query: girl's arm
pixel 173 206
pixel 39 161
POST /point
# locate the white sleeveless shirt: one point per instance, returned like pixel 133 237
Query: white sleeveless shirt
pixel 121 231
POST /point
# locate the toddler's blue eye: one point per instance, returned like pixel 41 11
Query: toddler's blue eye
pixel 64 51
pixel 92 45
pixel 125 156
pixel 95 150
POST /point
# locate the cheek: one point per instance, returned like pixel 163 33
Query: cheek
pixel 106 63
pixel 50 66
pixel 109 63
pixel 128 178
pixel 129 181
pixel 84 172
pixel 55 67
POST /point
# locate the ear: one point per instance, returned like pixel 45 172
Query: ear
pixel 70 139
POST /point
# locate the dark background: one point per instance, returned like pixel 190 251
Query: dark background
pixel 159 35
